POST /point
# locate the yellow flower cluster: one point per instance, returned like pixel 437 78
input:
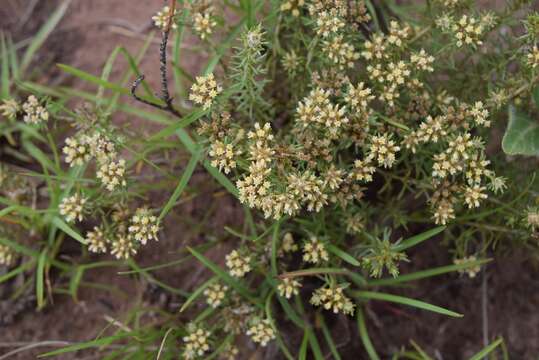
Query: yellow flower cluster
pixel 293 6
pixel 7 255
pixel 288 287
pixel 533 57
pixel 261 331
pixel 72 208
pixel 10 108
pixel 238 264
pixel 34 112
pixel 215 294
pixel 96 240
pixel 204 91
pixel 314 251
pixel 223 156
pixel 144 226
pixel 203 23
pixel 333 298
pixel 162 18
pixel 112 174
pixel 196 343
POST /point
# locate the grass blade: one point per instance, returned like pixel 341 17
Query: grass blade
pixel 189 169
pixel 43 34
pixel 427 273
pixel 68 229
pixel 414 240
pixel 365 336
pixel 370 295
pixel 483 353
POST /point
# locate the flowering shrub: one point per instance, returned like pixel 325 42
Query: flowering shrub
pixel 351 132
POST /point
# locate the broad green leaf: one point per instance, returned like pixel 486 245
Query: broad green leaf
pixel 522 134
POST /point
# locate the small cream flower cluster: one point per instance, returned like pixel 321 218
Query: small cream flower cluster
pixel 34 112
pixel 81 148
pixel 72 207
pixel 314 251
pixel 288 287
pixel 471 272
pixel 196 342
pixel 328 23
pixel 7 255
pixel 340 52
pixel 383 149
pixel 215 294
pixel 96 240
pixel 10 108
pixel 144 226
pixel 293 6
pixel 161 19
pixel 112 174
pixel 290 62
pixel 204 91
pixel 203 23
pixel 261 331
pixel 533 57
pixel 223 156
pixel 238 264
pixel 532 218
pixel 333 298
pixel 467 30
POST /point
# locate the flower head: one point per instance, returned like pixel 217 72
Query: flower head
pixel 237 264
pixel 72 207
pixel 112 174
pixel 144 226
pixel 333 298
pixel 261 331
pixel 10 108
pixel 161 19
pixel 314 251
pixel 204 91
pixel 288 287
pixel 196 342
pixel 215 294
pixel 34 112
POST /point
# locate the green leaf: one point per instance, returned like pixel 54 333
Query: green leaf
pixel 522 134
pixel 189 169
pixel 43 34
pixel 68 229
pixel 535 95
pixel 90 344
pixel 40 279
pixel 343 255
pixel 490 348
pixel 370 295
pixel 365 339
pixel 427 273
pixel 414 240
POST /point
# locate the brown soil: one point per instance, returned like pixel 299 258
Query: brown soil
pixel 84 39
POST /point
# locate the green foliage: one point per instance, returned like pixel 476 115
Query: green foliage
pixel 522 134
